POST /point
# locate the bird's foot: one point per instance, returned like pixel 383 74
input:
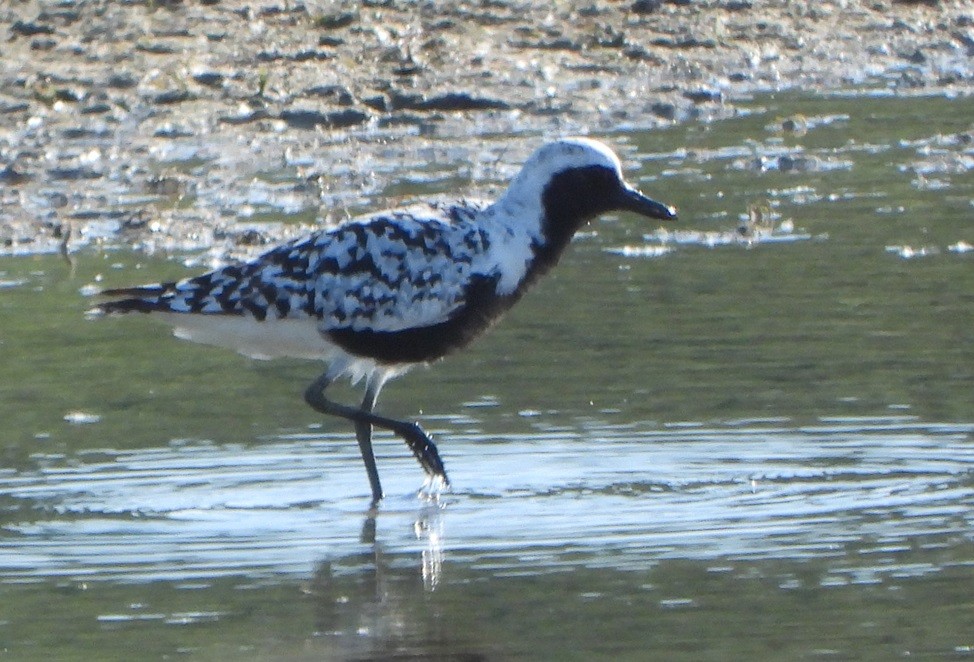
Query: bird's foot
pixel 423 448
pixel 433 489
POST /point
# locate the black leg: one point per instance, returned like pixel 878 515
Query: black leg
pixel 418 441
pixel 363 433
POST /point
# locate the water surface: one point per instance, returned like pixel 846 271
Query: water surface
pixel 698 443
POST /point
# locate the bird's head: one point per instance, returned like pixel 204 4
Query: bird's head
pixel 572 181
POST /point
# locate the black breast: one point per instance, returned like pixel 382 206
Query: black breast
pixel 482 308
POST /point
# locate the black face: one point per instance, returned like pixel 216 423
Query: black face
pixel 576 196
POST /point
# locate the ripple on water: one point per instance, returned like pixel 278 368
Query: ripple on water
pixel 623 497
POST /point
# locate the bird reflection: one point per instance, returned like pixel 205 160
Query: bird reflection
pixel 427 528
pixel 374 604
pixel 430 530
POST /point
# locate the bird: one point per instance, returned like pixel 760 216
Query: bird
pixel 381 293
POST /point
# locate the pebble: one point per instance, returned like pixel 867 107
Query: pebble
pixel 646 6
pixel 335 21
pixel 450 101
pixel 310 119
pixel 172 96
pixel 30 28
pixel 209 78
pixel 667 111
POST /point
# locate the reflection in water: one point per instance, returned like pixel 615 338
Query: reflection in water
pixel 523 504
pixel 663 528
pixel 430 529
pixel 373 605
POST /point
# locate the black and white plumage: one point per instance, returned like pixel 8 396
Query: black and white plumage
pixel 390 290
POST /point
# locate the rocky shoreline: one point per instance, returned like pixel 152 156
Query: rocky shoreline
pixel 180 126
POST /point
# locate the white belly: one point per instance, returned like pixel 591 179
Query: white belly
pixel 270 339
pixel 276 338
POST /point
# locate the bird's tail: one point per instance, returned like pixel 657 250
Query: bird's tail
pixel 143 299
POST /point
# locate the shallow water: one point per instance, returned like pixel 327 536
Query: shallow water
pixel 698 443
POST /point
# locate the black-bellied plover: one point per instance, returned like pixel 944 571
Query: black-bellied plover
pixel 384 292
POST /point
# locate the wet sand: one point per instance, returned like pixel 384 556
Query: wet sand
pixel 185 125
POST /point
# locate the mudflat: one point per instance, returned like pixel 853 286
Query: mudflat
pixel 172 125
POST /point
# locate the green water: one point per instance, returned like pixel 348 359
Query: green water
pixel 728 451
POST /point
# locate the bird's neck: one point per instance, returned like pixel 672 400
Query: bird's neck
pixel 556 235
pixel 529 239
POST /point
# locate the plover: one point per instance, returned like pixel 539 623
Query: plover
pixel 387 291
